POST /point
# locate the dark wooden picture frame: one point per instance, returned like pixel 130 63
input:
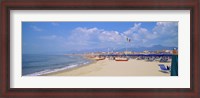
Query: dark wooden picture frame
pixel 192 5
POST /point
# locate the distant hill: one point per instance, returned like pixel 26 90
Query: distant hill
pixel 152 48
pixel 138 49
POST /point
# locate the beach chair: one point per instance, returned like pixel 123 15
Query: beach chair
pixel 139 58
pixel 158 59
pixel 150 59
pixel 163 68
pixel 164 60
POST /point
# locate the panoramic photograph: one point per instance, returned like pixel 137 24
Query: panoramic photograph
pixel 100 48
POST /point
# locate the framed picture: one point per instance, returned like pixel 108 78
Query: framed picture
pixel 100 48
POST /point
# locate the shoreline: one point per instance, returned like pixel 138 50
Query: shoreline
pixel 65 70
pixel 107 67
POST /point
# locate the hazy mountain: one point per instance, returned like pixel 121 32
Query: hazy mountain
pixel 138 49
pixel 152 48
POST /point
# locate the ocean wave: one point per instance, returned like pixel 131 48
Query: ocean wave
pixel 47 71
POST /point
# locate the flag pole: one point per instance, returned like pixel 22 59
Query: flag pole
pixel 127 39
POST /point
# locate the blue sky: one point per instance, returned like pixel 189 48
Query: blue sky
pixel 61 37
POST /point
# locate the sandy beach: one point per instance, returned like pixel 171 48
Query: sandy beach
pixel 107 67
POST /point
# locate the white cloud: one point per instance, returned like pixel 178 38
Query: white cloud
pixel 110 36
pixel 133 29
pixel 51 37
pixel 166 28
pixel 138 34
pixel 94 38
pixel 164 33
pixel 95 35
pixel 167 33
pixel 35 28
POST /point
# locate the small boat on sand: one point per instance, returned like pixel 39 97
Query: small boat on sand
pixel 99 58
pixel 121 59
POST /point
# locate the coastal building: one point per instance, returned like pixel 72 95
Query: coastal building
pixel 146 52
pixel 128 52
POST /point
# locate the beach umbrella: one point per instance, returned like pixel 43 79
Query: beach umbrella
pixel 174 65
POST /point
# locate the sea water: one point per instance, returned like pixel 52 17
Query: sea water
pixel 35 64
